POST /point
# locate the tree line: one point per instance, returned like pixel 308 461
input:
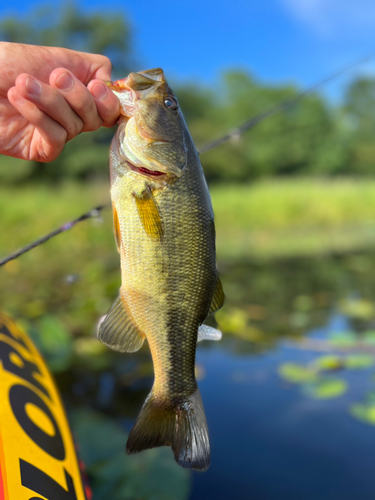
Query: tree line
pixel 315 137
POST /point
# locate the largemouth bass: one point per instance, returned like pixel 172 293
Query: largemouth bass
pixel 164 228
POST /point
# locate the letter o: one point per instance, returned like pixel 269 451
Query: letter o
pixel 19 397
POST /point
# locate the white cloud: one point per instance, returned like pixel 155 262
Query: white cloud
pixel 334 17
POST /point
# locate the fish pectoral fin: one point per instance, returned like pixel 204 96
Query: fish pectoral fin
pixel 218 298
pixel 118 330
pixel 116 228
pixel 149 214
pixel 206 332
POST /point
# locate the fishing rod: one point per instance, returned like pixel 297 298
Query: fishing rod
pixel 232 134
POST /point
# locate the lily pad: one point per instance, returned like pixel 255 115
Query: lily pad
pixel 326 388
pixel 342 339
pixel 296 373
pixel 359 361
pixel 328 362
pixel 364 413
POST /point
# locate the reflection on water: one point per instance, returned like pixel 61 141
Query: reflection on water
pixel 289 392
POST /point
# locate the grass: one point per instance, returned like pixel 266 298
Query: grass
pixel 276 218
pixel 292 217
pixel 76 274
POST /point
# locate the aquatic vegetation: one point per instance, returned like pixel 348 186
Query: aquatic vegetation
pixel 326 388
pixel 313 378
pixel 359 361
pixel 117 476
pixel 297 373
pixel 363 412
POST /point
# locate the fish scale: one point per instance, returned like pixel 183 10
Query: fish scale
pixel 175 269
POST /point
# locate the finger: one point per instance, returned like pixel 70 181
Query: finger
pixel 107 103
pixel 51 102
pixel 49 139
pixel 78 97
pixel 103 67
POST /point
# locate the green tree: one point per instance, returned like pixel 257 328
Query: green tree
pixel 360 116
pixel 101 33
pixel 305 139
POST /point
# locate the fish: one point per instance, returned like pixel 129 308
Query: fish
pixel 165 234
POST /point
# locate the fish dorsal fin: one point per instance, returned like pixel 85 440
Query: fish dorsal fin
pixel 218 298
pixel 149 214
pixel 116 228
pixel 118 330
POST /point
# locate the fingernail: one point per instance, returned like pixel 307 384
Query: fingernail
pixel 33 87
pixel 99 90
pixel 64 82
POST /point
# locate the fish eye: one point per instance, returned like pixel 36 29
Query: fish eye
pixel 171 102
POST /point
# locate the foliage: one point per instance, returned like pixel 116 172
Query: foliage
pixel 76 277
pixel 302 140
pixel 314 137
pixel 300 216
pixel 70 27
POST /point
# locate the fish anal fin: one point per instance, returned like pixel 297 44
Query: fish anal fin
pixel 149 214
pixel 181 425
pixel 118 330
pixel 116 228
pixel 206 332
pixel 218 298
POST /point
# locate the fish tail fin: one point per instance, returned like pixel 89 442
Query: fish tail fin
pixel 181 425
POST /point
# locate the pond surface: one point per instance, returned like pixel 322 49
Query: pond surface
pixel 271 441
pixel 289 392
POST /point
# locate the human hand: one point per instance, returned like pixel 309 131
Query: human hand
pixel 44 101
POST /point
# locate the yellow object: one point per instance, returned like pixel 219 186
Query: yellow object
pixel 37 455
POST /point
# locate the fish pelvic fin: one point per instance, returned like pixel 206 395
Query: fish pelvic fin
pixel 118 330
pixel 181 425
pixel 218 297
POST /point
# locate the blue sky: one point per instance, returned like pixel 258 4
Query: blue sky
pixel 279 41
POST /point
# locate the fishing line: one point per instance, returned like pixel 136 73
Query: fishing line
pixel 92 213
pixel 235 133
pixel 282 106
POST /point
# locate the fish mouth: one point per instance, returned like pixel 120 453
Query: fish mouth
pixel 135 86
pixel 144 170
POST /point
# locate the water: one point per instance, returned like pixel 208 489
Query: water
pixel 273 436
pixel 269 441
